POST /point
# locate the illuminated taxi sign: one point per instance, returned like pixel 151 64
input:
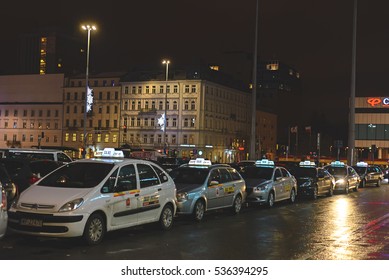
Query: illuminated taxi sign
pixel 337 163
pixel 307 163
pixel 200 161
pixel 109 153
pixel 362 164
pixel 264 162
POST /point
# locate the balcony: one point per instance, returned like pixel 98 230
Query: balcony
pixel 151 111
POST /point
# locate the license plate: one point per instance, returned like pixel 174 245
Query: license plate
pixel 31 222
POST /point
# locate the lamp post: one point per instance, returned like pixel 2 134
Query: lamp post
pixel 166 62
pixel 88 28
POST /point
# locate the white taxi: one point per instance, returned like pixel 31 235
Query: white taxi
pixel 346 177
pixel 93 196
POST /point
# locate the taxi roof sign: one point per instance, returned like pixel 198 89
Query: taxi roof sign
pixel 307 163
pixel 337 163
pixel 265 162
pixel 109 153
pixel 362 164
pixel 200 161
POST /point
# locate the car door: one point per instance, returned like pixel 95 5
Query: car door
pixel 215 190
pixel 278 185
pixel 124 196
pixel 229 187
pixel 322 181
pixel 149 202
pixel 353 177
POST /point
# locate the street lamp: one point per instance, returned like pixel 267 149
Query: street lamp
pixel 166 62
pixel 88 28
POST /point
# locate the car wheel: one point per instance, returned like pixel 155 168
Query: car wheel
pixel 237 205
pixel 331 191
pixel 166 219
pixel 270 199
pixel 94 229
pixel 292 196
pixel 346 189
pixel 314 192
pixel 199 210
pixel 356 188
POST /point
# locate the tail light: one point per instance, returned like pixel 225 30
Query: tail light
pixel 34 178
pixel 3 204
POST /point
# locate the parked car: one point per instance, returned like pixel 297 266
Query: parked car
pixel 267 183
pixel 313 181
pixel 36 154
pixel 89 197
pixel 3 212
pixel 371 175
pixel 8 184
pixel 24 173
pixel 203 186
pixel 346 177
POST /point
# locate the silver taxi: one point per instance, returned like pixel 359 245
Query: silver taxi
pixel 203 186
pixel 267 183
pixel 90 197
pixel 346 177
pixel 3 212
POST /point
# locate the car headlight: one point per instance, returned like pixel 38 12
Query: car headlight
pixel 71 205
pixel 341 182
pixel 182 196
pixel 262 188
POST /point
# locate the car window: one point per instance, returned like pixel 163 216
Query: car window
pixel 161 174
pixel 78 175
pixel 322 173
pixel 284 172
pixel 127 178
pixel 187 175
pixel 43 167
pixel 225 176
pixel 277 174
pixel 341 171
pixel 214 176
pixel 109 185
pixel 254 172
pixel 234 174
pixel 304 172
pixel 147 176
pixel 63 157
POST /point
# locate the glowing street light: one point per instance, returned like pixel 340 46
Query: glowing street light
pixel 88 28
pixel 166 62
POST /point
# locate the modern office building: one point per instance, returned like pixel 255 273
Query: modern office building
pixel 372 127
pixel 31 110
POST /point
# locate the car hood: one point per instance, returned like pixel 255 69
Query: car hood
pixel 52 196
pixel 181 188
pixel 251 183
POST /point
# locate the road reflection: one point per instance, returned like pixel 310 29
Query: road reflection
pixel 340 232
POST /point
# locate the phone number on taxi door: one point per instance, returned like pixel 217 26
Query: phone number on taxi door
pixel 239 270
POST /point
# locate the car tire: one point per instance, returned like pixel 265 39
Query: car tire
pixel 346 190
pixel 166 218
pixel 237 205
pixel 199 210
pixel 330 191
pixel 95 229
pixel 315 193
pixel 270 200
pixel 292 198
pixel 356 188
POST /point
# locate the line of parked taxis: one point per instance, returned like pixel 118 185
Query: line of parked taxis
pixel 90 197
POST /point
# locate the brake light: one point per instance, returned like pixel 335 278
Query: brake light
pixel 3 204
pixel 34 178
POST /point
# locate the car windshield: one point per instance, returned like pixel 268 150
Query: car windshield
pixel 187 175
pixel 304 172
pixel 337 171
pixel 78 175
pixel 254 172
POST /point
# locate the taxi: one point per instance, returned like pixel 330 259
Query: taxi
pixel 203 186
pixel 371 175
pixel 313 181
pixel 346 177
pixel 87 198
pixel 267 183
pixel 3 212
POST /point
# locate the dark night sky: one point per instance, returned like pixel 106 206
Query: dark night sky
pixel 315 37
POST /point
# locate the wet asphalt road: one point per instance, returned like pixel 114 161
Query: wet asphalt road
pixel 341 227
